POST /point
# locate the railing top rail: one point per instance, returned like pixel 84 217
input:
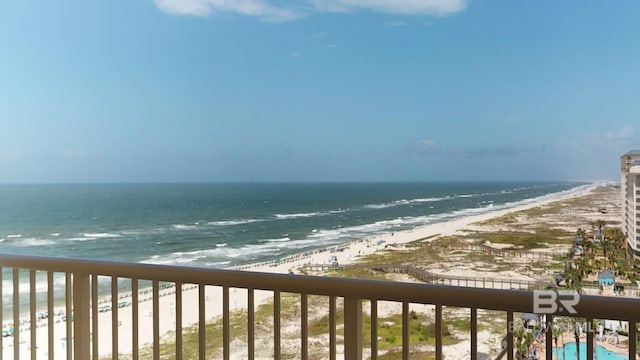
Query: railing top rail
pixel 492 299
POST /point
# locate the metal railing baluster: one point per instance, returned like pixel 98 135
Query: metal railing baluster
pixel 276 325
pixel 633 343
pixel 2 311
pixel 94 316
pixel 304 325
pixel 473 329
pixel 135 318
pixel 405 330
pixel 332 328
pixel 226 338
pixel 353 328
pixel 32 313
pixel 80 316
pixel 178 320
pixel 201 321
pixel 251 323
pixel 16 314
pixel 374 329
pixel 589 334
pixel 155 298
pixel 549 336
pixel 114 317
pixel 68 315
pixel 50 326
pixel 510 328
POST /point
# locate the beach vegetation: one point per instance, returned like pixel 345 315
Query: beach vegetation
pixel 421 330
pixel 539 238
pixel 358 272
pixel 263 318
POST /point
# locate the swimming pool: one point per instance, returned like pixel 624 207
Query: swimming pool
pixel 601 352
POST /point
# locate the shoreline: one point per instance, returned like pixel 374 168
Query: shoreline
pixel 371 244
pixel 343 253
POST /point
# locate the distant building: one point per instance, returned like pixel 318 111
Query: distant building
pixel 630 185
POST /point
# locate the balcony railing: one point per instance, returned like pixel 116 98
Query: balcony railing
pixel 80 284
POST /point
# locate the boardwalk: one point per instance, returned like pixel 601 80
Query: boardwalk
pixel 522 253
pixel 435 278
pixel 481 282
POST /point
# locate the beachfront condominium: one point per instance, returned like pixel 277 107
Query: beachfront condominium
pixel 630 184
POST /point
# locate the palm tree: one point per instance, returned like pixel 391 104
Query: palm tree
pixel 521 347
pixel 600 224
pixel 573 277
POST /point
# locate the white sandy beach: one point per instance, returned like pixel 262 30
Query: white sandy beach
pixel 347 254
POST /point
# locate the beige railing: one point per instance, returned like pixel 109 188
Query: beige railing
pixel 83 307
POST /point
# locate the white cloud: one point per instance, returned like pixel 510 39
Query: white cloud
pixel 424 7
pixel 428 147
pixel 263 10
pixel 612 140
pixel 257 8
pixel 14 153
pixel 625 133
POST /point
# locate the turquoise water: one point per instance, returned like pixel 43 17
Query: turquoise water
pixel 570 352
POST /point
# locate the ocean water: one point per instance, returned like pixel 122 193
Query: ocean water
pixel 221 225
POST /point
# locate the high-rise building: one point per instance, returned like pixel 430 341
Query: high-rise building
pixel 630 184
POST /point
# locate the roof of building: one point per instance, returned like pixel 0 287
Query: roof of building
pixel 606 274
pixel 529 316
pixel 632 153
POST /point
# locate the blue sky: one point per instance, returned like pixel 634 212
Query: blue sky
pixel 317 90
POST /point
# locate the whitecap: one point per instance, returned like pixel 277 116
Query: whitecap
pixel 31 242
pixel 432 199
pixel 298 215
pixel 183 227
pixel 283 239
pixel 339 211
pixel 379 206
pixel 233 222
pixel 215 254
pixel 402 202
pixel 82 238
pixel 101 235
